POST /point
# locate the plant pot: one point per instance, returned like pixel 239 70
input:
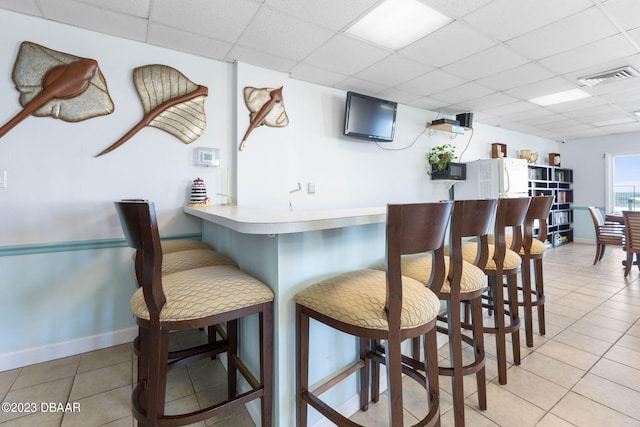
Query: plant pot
pixel 453 171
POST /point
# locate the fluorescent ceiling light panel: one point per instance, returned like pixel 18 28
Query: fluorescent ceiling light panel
pixel 560 97
pixel 637 113
pixel 395 24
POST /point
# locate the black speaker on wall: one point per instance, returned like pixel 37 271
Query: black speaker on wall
pixel 465 119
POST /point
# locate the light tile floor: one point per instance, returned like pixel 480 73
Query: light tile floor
pixel 584 372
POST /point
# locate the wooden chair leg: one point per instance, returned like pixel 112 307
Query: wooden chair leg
pixel 602 248
pixel 526 298
pixel 302 365
pixel 628 264
pixel 157 351
pixel 393 359
pixel 364 373
pixel 514 317
pixel 540 296
pixel 597 258
pixel 430 348
pixel 455 357
pixel 232 369
pixel 499 325
pixel 478 344
pixel 266 364
pixel 375 376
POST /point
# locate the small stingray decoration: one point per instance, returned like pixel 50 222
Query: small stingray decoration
pixel 171 102
pixel 59 85
pixel 266 107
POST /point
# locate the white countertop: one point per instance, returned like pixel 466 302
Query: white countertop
pixel 270 221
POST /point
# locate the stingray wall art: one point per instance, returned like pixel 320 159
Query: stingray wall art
pixel 266 107
pixel 171 102
pixel 59 85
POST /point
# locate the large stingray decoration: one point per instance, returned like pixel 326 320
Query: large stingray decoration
pixel 59 85
pixel 171 102
pixel 266 107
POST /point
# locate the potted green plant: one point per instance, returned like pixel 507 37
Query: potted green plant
pixel 442 166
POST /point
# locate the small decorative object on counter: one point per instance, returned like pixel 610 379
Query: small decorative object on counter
pixel 199 194
pixel 498 150
pixel 554 159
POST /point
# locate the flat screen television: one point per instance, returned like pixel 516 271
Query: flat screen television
pixel 369 118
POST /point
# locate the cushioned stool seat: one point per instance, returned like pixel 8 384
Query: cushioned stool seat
pixel 511 259
pixel 357 298
pixel 418 266
pixel 177 245
pixel 193 258
pixel 184 292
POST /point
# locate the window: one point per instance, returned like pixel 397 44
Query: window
pixel 626 183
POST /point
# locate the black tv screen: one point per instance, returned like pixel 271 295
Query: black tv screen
pixel 369 118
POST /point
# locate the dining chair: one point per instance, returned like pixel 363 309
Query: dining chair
pixel 503 261
pixel 607 233
pixel 463 284
pixel 385 306
pixel 192 299
pixel 632 239
pixel 533 250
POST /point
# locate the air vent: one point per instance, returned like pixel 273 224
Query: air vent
pixel 609 76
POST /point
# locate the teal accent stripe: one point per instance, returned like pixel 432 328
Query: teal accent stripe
pixel 43 248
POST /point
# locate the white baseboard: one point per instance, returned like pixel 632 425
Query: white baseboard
pixel 46 353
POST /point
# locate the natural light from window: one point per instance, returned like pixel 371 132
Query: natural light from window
pixel 626 183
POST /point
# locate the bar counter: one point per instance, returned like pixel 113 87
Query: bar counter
pixel 289 250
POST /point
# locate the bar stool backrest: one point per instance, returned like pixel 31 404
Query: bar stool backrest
pixel 138 219
pixel 411 229
pixel 538 210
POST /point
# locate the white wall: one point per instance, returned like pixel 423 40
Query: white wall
pixel 59 194
pixel 587 159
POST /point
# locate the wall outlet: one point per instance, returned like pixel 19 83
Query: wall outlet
pixel 311 188
pixel 3 179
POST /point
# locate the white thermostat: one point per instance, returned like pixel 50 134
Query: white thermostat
pixel 207 156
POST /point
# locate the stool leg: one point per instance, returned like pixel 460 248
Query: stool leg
pixel 540 295
pixel 478 344
pixel 393 359
pixel 157 352
pixel 266 363
pixel 430 349
pixel 364 373
pixel 455 356
pixel 375 375
pixel 302 365
pixel 499 323
pixel 232 351
pixel 514 317
pixel 526 298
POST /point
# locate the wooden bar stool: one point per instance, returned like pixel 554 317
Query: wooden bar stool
pixel 191 299
pixel 380 305
pixel 464 284
pixel 503 261
pixel 533 250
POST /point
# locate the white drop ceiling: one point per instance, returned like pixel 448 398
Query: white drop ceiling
pixel 490 60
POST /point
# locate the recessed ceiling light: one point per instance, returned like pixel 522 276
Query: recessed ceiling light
pixel 637 113
pixel 395 24
pixel 560 97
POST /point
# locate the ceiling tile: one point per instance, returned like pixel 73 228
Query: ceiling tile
pixel 510 108
pixel 218 19
pixel 196 44
pixel 96 19
pixel 456 8
pixel 393 70
pixel 28 7
pixel 432 82
pixel 287 37
pixel 250 56
pixel 490 101
pixel 482 64
pixel 541 88
pixel 346 55
pixel 590 55
pixel 625 12
pixel 578 104
pixel 397 95
pixel 519 76
pixel 131 7
pixel 331 14
pixel 448 44
pixel 575 31
pixel 310 73
pixel 506 19
pixel 359 85
pixel 462 93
